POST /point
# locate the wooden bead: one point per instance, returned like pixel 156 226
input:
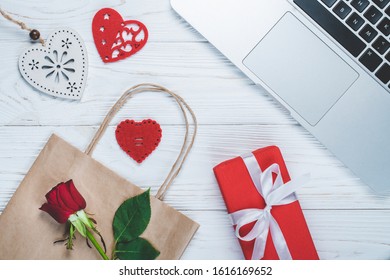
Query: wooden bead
pixel 34 34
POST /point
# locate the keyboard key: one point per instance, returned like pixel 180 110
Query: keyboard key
pixel 342 9
pixel 387 11
pixel 371 60
pixel 381 45
pixel 329 3
pixel 360 5
pixel 384 26
pixel 381 3
pixel 368 33
pixel 383 73
pixel 388 56
pixel 355 21
pixel 373 14
pixel 332 25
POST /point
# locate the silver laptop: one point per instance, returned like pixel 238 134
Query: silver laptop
pixel 326 61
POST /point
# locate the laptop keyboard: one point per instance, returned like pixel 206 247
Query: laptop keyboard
pixel 362 27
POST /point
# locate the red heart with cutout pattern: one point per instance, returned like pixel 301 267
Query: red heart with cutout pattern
pixel 138 139
pixel 115 38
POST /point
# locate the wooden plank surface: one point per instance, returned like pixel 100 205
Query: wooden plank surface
pixel 347 220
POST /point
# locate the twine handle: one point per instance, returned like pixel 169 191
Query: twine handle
pixel 187 143
pixel 21 24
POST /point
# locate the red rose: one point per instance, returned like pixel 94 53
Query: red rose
pixel 62 201
pixel 66 204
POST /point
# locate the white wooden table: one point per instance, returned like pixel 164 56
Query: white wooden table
pixel 347 220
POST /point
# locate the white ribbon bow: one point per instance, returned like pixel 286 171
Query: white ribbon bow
pixel 274 193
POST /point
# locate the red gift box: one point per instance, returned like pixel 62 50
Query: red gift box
pixel 239 192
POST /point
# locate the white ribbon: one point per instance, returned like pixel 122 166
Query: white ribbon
pixel 274 193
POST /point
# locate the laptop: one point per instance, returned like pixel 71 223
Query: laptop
pixel 326 61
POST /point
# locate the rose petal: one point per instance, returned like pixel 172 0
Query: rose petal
pixel 62 195
pixel 60 215
pixel 66 198
pixel 51 196
pixel 77 197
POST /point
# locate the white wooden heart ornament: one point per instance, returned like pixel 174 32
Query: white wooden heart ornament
pixel 59 68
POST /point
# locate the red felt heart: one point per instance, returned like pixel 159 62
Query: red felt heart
pixel 115 38
pixel 138 139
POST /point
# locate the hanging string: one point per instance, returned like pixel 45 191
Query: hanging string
pixel 34 34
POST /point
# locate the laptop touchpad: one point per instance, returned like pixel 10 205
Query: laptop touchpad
pixel 300 68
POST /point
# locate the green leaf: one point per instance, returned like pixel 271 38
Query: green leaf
pixel 138 249
pixel 132 218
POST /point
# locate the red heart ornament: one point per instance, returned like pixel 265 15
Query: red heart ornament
pixel 138 139
pixel 115 38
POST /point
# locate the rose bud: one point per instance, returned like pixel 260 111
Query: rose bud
pixel 66 204
pixel 62 201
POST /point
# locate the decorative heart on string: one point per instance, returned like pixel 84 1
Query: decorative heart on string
pixel 138 139
pixel 115 38
pixel 59 68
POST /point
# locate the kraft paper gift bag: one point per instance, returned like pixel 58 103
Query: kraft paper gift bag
pixel 28 233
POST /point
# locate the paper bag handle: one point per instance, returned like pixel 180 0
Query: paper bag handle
pixel 187 143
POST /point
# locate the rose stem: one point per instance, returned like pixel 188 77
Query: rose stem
pixel 96 244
